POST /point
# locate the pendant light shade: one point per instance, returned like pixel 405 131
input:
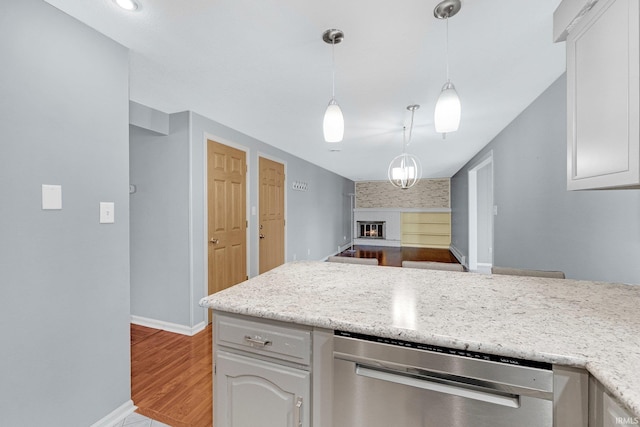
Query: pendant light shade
pixel 448 109
pixel 405 170
pixel 333 123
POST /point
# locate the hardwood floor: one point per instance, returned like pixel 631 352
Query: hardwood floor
pixel 393 257
pixel 171 379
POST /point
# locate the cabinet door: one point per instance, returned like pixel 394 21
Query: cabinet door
pixel 603 98
pixel 614 415
pixel 250 393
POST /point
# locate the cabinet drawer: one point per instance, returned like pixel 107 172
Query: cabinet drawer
pixel 264 338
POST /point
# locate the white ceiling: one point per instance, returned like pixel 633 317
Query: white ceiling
pixel 261 67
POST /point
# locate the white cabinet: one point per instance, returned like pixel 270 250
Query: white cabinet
pixel 615 415
pixel 262 373
pixel 604 410
pixel 603 93
pixel 251 392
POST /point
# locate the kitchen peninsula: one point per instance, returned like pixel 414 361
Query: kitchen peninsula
pixel 591 326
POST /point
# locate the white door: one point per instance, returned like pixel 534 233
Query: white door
pixel 253 393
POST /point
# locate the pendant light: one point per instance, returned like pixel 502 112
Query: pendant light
pixel 405 170
pixel 333 123
pixel 447 114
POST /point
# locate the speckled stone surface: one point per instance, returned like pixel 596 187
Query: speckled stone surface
pixel 584 324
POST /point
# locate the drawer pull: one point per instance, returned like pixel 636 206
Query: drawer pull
pixel 257 341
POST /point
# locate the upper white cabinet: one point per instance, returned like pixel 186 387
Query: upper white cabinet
pixel 603 92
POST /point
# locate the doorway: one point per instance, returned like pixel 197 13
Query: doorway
pixel 226 216
pixel 271 214
pixel 481 212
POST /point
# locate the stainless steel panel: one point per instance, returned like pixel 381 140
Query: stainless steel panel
pixel 394 357
pixel 381 385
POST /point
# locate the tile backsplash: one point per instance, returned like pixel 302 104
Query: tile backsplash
pixel 426 194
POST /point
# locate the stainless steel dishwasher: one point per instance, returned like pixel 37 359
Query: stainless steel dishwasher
pixel 380 382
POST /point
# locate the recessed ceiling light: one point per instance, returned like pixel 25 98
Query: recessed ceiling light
pixel 130 5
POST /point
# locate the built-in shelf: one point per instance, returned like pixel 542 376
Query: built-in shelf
pixel 426 229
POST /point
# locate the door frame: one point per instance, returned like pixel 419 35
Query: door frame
pixel 205 195
pixel 257 216
pixel 487 160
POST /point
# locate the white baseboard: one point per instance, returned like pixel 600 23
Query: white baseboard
pixel 168 326
pixel 484 268
pixel 344 247
pixel 459 255
pixel 116 415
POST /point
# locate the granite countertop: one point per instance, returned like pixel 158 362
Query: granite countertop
pixel 592 325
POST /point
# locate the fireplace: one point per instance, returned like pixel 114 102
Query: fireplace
pixel 371 229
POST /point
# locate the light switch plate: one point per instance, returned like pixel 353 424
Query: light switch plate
pixel 107 212
pixel 51 197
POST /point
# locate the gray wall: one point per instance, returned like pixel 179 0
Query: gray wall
pixel 64 292
pixel 591 235
pixel 168 253
pixel 159 168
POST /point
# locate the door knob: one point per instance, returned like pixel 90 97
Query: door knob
pixel 214 241
pixel 261 236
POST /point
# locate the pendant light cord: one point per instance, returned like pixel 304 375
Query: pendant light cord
pixel 405 142
pixel 333 67
pixel 447 48
pixel 404 139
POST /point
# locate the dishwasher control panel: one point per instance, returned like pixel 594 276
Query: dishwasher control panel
pixel 448 351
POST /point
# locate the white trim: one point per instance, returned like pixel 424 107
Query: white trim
pixel 168 326
pixel 191 237
pixel 473 220
pixel 286 189
pixel 344 247
pixel 459 255
pixel 209 136
pixel 117 415
pixel 436 210
pixel 473 208
pixel 483 268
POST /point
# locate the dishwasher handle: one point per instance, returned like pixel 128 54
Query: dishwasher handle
pixel 455 390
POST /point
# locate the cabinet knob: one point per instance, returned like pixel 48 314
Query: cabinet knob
pixel 214 241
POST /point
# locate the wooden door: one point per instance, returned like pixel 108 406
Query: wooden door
pixel 271 214
pixel 227 216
